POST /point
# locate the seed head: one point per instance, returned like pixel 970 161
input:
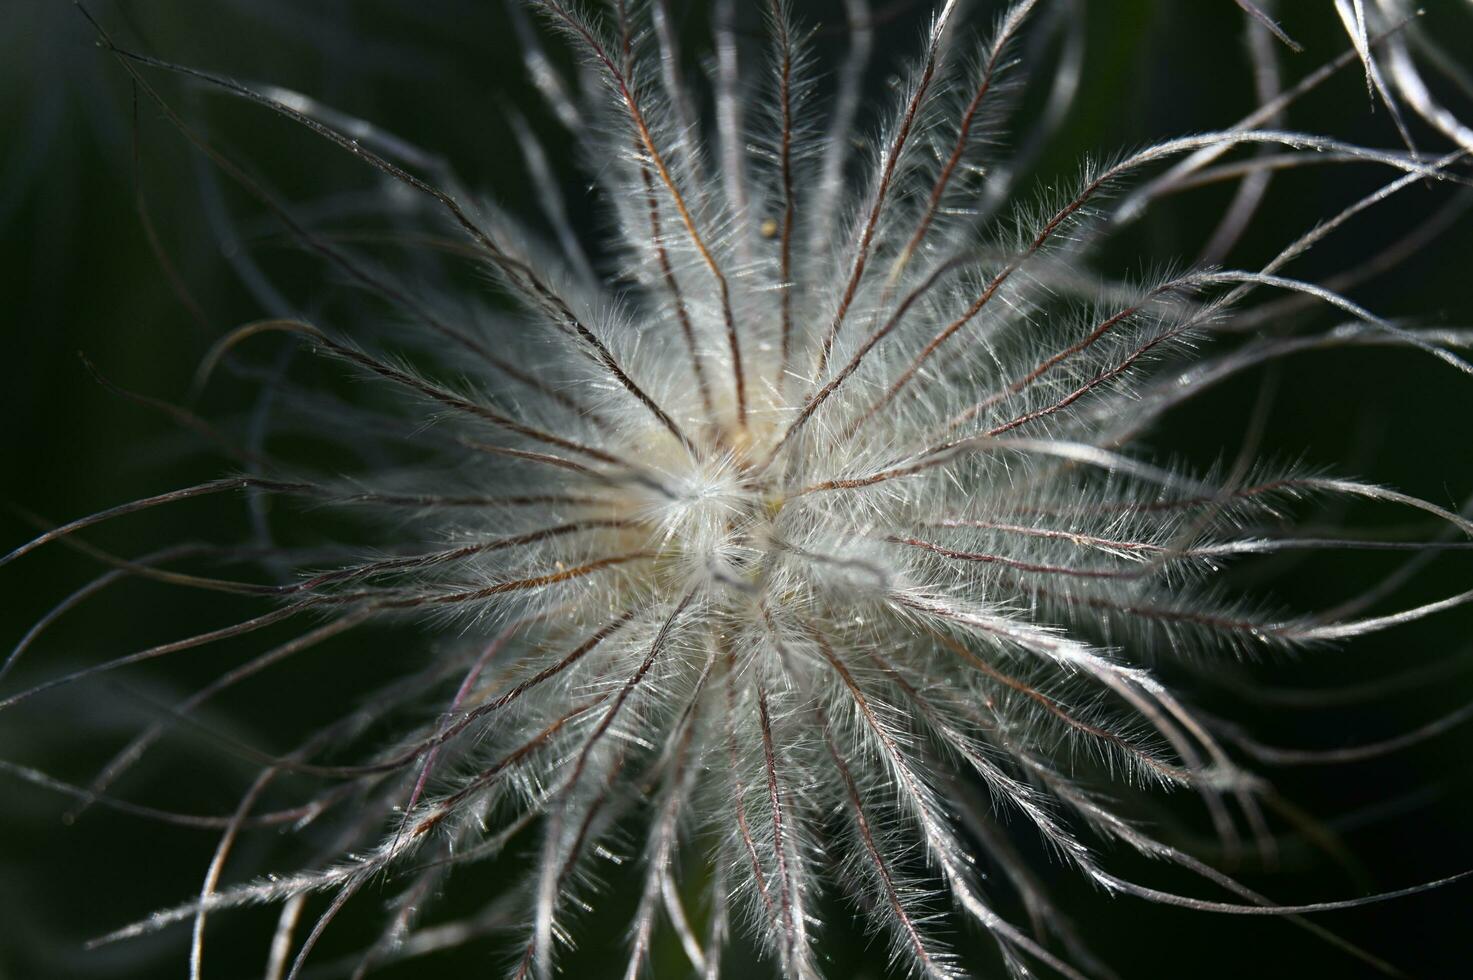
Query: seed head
pixel 792 537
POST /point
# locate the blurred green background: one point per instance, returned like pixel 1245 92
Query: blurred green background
pixel 76 157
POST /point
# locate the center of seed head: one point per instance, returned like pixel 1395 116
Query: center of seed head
pixel 747 541
pixel 710 516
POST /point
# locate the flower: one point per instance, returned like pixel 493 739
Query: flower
pixel 803 525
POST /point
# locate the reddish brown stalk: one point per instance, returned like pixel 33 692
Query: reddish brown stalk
pixel 518 272
pixel 990 290
pixel 779 841
pixel 547 459
pixel 451 731
pixel 739 792
pixel 871 846
pixel 636 116
pixel 858 483
pixel 152 653
pixel 467 685
pixel 822 395
pixel 453 554
pixel 657 646
pixel 1175 773
pixel 1022 566
pixel 135 748
pixel 461 404
pixel 1049 363
pixel 346 574
pixel 667 271
pixel 486 777
pixel 133 507
pixel 432 500
pixel 948 169
pixel 147 568
pixel 1098 380
pixel 501 588
pixel 882 190
pixel 938 190
pixel 657 243
pixel 785 160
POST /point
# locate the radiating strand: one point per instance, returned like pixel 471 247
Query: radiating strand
pixel 1135 204
pixel 291 816
pixel 1241 546
pixel 789 891
pixel 778 15
pixel 154 652
pixel 944 453
pixel 928 961
pixel 1046 365
pixel 824 224
pixel 1113 826
pixel 1247 279
pixel 1114 883
pixel 76 598
pixel 1008 27
pixel 1012 21
pixel 1354 19
pixel 345 892
pixel 1038 568
pixel 1046 915
pixel 889 160
pixel 539 953
pixel 1278 755
pixel 1250 193
pixel 1269 24
pixel 1163 769
pixel 488 776
pixel 1394 254
pixel 938 838
pixel 411 598
pixel 739 805
pixel 662 255
pixel 182 417
pixel 662 840
pixel 136 747
pixel 624 85
pixel 517 271
pixel 311 584
pixel 172 496
pixel 444 396
pixel 539 949
pixel 467 685
pixel 403 758
pixel 393 295
pixel 433 558
pixel 550 196
pixel 1046 232
pixel 227 841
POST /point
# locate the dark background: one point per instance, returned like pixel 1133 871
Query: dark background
pixel 79 274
